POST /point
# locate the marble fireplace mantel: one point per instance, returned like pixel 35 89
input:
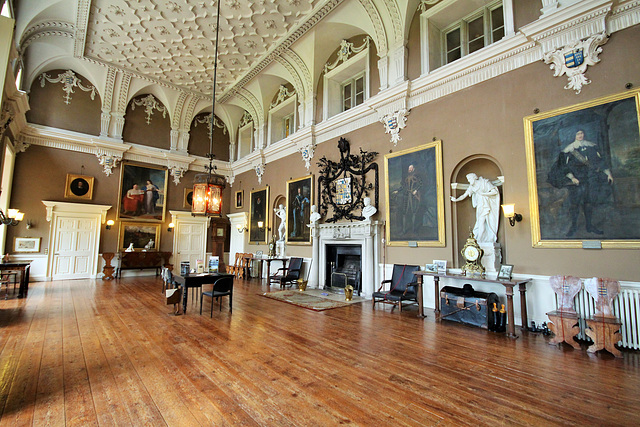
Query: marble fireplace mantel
pixel 367 234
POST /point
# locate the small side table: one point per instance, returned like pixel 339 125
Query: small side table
pixel 605 333
pixel 108 269
pixel 565 326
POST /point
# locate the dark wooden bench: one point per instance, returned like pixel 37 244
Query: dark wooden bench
pixel 142 261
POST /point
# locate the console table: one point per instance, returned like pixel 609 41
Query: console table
pixel 23 268
pixel 508 284
pixel 141 261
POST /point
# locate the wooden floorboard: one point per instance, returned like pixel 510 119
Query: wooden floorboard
pixel 93 352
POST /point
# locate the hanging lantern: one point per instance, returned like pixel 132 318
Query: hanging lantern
pixel 207 194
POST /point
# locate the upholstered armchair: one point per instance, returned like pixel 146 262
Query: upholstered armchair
pixel 401 289
pixel 289 275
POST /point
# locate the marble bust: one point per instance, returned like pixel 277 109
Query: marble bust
pixel 315 216
pixel 368 210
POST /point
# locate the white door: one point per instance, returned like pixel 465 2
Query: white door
pixel 191 243
pixel 73 248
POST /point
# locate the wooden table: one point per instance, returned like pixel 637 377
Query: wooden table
pixel 268 260
pixel 23 268
pixel 508 284
pixel 142 260
pixel 195 280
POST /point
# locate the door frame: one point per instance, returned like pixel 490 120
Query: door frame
pixel 185 217
pixel 77 210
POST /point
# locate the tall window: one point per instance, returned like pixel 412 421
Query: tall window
pixel 353 91
pixel 483 27
pixel 287 124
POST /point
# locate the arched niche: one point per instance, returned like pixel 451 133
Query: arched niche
pixel 147 122
pixel 275 221
pixel 67 100
pixel 463 215
pixel 200 140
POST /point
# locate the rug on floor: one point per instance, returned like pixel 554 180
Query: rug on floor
pixel 309 301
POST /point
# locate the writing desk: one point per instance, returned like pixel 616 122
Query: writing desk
pixel 23 268
pixel 195 280
pixel 508 284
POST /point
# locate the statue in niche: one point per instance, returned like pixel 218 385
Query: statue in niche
pixel 485 198
pixel 603 291
pixel 566 288
pixel 368 210
pixel 282 229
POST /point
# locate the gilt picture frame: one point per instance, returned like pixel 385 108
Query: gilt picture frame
pixel 78 187
pixel 26 244
pixel 415 196
pixel 239 199
pixel 583 166
pixel 140 234
pixel 299 199
pixel 143 192
pixel 187 201
pixel 259 203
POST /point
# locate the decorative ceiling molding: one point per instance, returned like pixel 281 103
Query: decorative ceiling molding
pixel 109 87
pixel 283 94
pixel 346 50
pixel 302 68
pixel 396 20
pixel 45 29
pixel 177 114
pixel 69 81
pixel 378 26
pixel 82 20
pixel 149 103
pixel 298 86
pixel 124 93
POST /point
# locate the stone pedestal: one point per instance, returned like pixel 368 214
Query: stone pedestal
pixel 280 249
pixel 492 257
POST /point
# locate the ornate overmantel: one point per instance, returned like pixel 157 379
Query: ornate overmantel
pixel 364 233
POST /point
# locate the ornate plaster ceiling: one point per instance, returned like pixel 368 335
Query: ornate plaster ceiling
pixel 173 41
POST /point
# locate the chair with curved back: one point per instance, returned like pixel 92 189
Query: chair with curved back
pixel 289 275
pixel 237 264
pixel 221 287
pixel 402 287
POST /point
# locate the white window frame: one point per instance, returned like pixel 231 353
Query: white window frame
pixel 356 66
pixel 352 81
pixel 286 108
pixel 245 140
pixel 436 21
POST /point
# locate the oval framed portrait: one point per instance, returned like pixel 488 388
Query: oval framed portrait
pixel 79 187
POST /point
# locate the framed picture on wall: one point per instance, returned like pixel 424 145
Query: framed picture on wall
pixel 142 235
pixel 584 174
pixel 239 199
pixel 187 201
pixel 299 197
pixel 258 218
pixel 143 192
pixel 78 187
pixel 26 244
pixel 414 192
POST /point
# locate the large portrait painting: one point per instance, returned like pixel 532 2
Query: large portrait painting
pixel 415 200
pixel 299 196
pixel 258 219
pixel 583 165
pixel 143 192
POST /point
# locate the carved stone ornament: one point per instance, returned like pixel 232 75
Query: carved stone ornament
pixel 394 123
pixel 177 172
pixel 108 162
pixel 207 120
pixel 343 185
pixel 69 80
pixel 574 59
pixel 283 94
pixel 245 120
pixel 149 103
pixel 231 178
pixel 259 168
pixel 307 152
pixel 424 4
pixel 346 50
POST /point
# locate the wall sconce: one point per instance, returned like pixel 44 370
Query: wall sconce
pixel 260 224
pixel 109 224
pixel 29 224
pixel 170 228
pixel 13 217
pixel 510 212
pixel 241 228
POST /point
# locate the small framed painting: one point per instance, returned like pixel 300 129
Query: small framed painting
pixel 78 187
pixel 139 236
pixel 505 272
pixel 188 198
pixel 26 244
pixel 239 198
pixel 441 266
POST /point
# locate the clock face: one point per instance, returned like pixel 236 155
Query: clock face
pixel 471 253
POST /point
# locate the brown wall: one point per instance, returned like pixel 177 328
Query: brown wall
pixel 155 134
pixel 40 174
pixel 487 120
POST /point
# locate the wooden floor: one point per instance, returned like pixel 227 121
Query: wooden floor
pixel 90 352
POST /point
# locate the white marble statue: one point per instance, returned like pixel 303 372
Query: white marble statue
pixel 368 210
pixel 485 198
pixel 315 216
pixel 130 248
pixel 282 229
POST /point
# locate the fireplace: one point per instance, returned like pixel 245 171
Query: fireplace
pixel 343 267
pixel 362 239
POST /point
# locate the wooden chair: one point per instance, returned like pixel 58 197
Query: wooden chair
pixel 221 287
pixel 402 289
pixel 289 275
pixel 234 269
pixel 247 259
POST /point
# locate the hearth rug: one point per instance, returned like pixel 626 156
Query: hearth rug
pixel 312 299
